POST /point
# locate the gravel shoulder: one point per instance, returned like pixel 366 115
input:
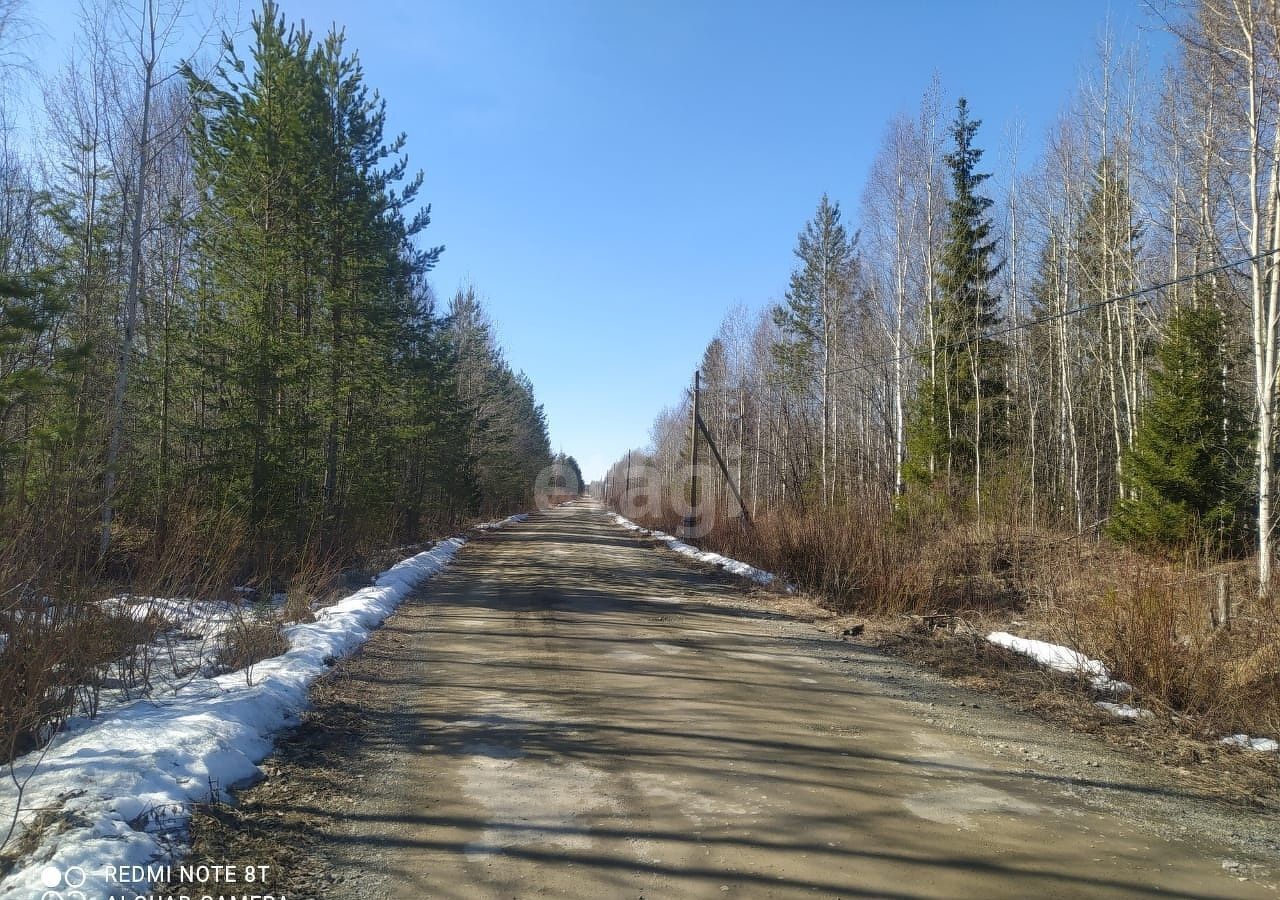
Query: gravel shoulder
pixel 566 712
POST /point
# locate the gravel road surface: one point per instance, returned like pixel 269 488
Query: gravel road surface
pixel 568 712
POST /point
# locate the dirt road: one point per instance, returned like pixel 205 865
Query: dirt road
pixel 569 713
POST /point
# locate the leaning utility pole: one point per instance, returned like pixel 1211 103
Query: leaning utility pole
pixel 715 453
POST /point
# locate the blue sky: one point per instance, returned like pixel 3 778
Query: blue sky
pixel 615 175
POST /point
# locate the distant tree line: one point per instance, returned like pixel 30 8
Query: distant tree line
pixel 1088 345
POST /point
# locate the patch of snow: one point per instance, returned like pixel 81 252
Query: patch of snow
pixel 1256 744
pixel 1124 710
pixel 1061 659
pixel 509 520
pixel 184 649
pixel 733 566
pixel 124 782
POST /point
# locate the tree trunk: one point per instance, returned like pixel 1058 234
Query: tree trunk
pixel 131 301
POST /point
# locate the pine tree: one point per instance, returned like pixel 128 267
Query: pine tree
pixel 255 141
pixel 509 441
pixel 1188 470
pixel 959 408
pixel 435 484
pixel 573 481
pixel 314 315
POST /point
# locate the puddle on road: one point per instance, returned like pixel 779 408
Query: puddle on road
pixel 698 807
pixel 958 804
pixel 757 657
pixel 634 655
pixel 533 801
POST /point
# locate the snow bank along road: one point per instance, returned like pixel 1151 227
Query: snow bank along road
pixel 568 712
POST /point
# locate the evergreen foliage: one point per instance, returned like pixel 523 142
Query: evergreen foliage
pixel 28 311
pixel 292 373
pixel 1188 471
pixel 573 481
pixel 508 443
pixel 817 319
pixel 959 409
pixel 816 304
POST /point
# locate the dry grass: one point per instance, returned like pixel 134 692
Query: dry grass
pixel 1208 767
pixel 1152 624
pixel 857 560
pixel 55 652
pixel 60 641
pixel 297 606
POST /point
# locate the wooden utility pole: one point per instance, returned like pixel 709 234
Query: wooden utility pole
pixel 691 520
pixel 627 494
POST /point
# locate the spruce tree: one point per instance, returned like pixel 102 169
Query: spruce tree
pixel 1188 470
pixel 815 319
pixel 29 310
pixel 959 409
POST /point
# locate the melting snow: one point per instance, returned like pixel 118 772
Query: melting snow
pixel 759 576
pixel 124 782
pixel 1257 744
pixel 1124 710
pixel 1061 659
pixel 509 520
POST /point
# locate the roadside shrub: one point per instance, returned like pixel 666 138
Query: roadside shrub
pixel 249 641
pixel 1155 630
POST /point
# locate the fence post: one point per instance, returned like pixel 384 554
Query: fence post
pixel 1222 611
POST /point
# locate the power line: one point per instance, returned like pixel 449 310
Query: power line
pixel 1043 320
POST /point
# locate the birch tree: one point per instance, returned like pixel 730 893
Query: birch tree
pixel 1241 38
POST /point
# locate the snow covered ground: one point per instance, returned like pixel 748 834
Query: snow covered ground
pixel 759 576
pixel 509 520
pixel 185 649
pixel 1072 662
pixel 123 783
pixel 1257 744
pixel 1061 659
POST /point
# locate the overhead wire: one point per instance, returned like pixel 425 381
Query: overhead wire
pixel 1052 317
